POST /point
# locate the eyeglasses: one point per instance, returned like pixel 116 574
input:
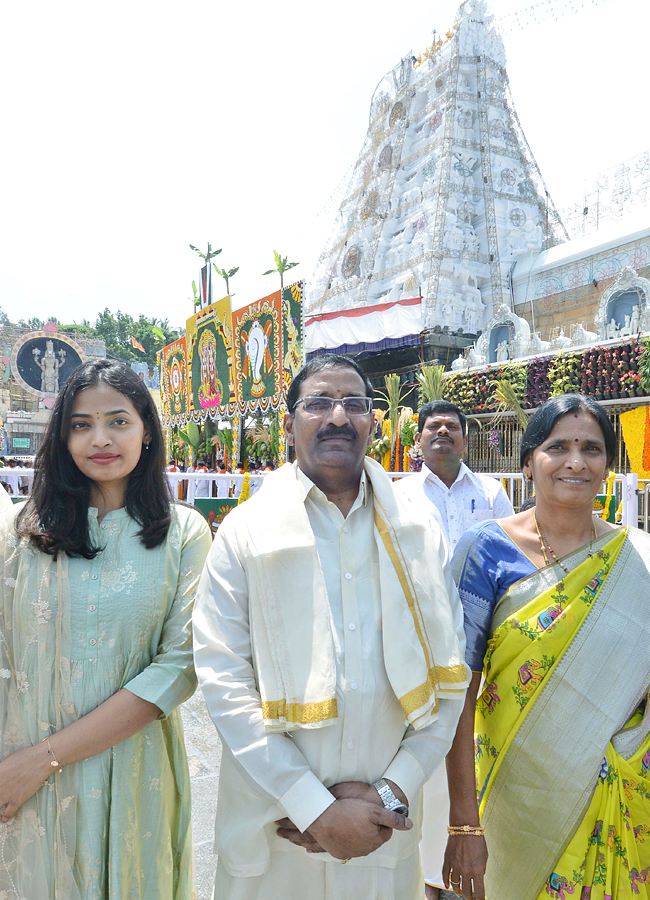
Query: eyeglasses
pixel 321 406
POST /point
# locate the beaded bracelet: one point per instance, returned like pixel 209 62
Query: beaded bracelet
pixel 466 829
pixel 54 761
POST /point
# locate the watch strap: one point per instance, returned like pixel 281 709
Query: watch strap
pixel 388 798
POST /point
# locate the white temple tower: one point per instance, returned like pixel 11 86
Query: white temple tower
pixel 445 194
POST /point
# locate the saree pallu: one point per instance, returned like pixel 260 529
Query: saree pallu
pixel 562 730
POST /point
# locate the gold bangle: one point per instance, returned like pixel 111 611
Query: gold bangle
pixel 466 829
pixel 54 761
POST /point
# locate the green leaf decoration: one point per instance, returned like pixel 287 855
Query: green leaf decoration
pixel 193 434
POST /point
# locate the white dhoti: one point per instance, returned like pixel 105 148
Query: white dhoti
pixel 435 818
pixel 297 875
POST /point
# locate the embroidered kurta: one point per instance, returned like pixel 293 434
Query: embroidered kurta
pixel 266 776
pixel 123 620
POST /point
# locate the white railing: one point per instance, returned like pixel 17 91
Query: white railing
pixel 225 481
pixel 634 503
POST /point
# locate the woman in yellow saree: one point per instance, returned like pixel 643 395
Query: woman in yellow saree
pixel 557 613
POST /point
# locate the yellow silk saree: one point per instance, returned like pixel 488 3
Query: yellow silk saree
pixel 563 729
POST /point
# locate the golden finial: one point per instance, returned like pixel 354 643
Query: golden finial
pixel 440 42
pixel 449 35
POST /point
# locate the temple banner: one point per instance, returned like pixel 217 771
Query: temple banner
pixel 174 383
pixel 215 510
pixel 292 338
pixel 209 360
pixel 257 340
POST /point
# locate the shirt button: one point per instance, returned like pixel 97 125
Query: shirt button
pixel 92 607
pixel 92 642
pixel 348 576
pixel 345 529
pixel 95 577
pixel 104 527
pixel 354 685
pixel 350 745
pixel 352 626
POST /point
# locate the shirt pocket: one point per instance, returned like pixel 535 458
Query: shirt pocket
pixel 476 515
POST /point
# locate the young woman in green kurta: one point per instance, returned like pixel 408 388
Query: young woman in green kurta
pixel 99 572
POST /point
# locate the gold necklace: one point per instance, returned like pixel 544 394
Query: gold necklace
pixel 544 544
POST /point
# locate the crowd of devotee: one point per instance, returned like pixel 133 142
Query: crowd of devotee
pixel 420 691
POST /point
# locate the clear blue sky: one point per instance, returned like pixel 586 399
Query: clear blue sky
pixel 132 129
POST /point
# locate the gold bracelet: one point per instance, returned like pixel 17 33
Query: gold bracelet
pixel 466 829
pixel 54 761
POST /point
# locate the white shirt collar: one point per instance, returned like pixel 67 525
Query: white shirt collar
pixel 306 486
pixel 463 472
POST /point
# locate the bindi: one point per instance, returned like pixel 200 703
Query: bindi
pixel 575 415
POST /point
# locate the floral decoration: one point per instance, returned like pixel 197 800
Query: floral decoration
pixel 564 374
pixel 538 387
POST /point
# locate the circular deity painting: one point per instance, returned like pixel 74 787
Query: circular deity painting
pixel 396 113
pixel 369 204
pixel 440 84
pixel 435 120
pixel 43 361
pixel 385 157
pixel 351 262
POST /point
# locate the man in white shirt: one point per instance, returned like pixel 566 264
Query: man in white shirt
pixel 457 498
pixel 203 487
pixel 329 648
pixel 446 486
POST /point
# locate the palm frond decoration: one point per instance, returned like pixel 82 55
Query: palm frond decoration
pixel 393 396
pixel 431 383
pixel 223 438
pixel 508 401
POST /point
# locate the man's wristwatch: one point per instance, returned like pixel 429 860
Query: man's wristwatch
pixel 389 799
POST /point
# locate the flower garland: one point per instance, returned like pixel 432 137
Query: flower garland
pixel 385 460
pixel 635 425
pixel 245 489
pixel 609 494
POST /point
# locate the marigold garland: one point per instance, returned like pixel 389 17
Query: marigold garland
pixel 609 496
pixel 245 489
pixel 635 425
pixel 386 432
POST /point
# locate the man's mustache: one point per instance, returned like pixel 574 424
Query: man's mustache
pixel 334 431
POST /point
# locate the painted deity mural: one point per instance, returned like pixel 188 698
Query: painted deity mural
pixel 174 382
pixel 233 361
pixel 291 333
pixel 209 359
pixel 257 337
pixel 42 361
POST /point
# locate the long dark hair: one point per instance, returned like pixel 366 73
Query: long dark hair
pixel 55 518
pixel 543 421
